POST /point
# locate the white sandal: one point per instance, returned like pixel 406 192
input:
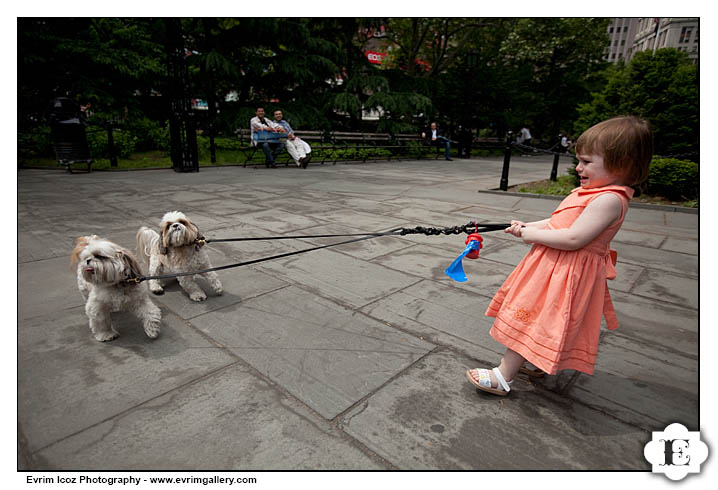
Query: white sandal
pixel 481 378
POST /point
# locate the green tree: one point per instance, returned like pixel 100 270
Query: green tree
pixel 560 61
pixel 362 86
pixel 661 87
pixel 105 61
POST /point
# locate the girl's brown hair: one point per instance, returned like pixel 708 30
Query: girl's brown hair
pixel 624 142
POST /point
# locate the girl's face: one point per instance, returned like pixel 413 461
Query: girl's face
pixel 593 173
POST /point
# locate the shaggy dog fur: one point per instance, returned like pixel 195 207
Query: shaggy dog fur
pixel 102 270
pixel 176 250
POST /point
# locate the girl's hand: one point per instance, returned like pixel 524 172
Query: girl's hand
pixel 515 228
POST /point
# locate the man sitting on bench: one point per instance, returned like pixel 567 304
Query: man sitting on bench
pixel 263 133
pixel 434 137
pixel 296 147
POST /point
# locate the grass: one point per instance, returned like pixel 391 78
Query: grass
pixel 565 184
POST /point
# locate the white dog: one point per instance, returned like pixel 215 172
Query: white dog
pixel 177 250
pixel 103 268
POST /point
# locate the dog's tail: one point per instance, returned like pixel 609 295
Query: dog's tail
pixel 148 242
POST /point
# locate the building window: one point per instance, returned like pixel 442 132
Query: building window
pixel 613 56
pixel 623 42
pixel 683 35
pixel 615 43
pixel 695 40
pixel 610 31
pixel 625 28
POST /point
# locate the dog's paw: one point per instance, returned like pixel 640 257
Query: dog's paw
pixel 152 330
pixel 218 291
pixel 198 296
pixel 106 336
pixel 157 290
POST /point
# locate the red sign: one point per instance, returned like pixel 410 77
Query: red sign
pixel 375 57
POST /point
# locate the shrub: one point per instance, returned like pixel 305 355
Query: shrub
pixel 673 178
pixel 150 135
pixel 34 143
pixel 97 142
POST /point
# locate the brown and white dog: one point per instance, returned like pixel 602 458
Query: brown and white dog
pixel 103 268
pixel 176 250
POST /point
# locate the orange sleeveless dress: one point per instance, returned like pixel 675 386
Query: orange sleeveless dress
pixel 549 309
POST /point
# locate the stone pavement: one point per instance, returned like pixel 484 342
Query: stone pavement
pixel 351 357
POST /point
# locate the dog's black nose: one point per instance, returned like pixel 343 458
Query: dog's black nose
pixel 175 225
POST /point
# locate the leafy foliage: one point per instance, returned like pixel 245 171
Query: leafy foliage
pixel 661 87
pixel 673 178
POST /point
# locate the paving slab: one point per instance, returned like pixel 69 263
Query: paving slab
pixel 348 280
pixel 196 428
pixel 649 320
pixel 626 385
pixel 631 237
pixel 49 286
pixel 238 284
pixel 682 245
pixel 441 314
pixel 668 288
pixel 281 222
pixel 69 381
pixel 327 356
pixel 483 276
pixel 657 259
pixel 365 249
pixel 224 207
pixel 462 429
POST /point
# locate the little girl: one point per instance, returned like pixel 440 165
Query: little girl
pixel 548 311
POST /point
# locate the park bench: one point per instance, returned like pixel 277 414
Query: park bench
pixel 348 146
pixel 415 147
pixel 356 146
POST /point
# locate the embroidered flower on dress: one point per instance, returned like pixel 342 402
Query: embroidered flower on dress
pixel 523 315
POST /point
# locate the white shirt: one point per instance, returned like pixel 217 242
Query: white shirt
pixel 256 125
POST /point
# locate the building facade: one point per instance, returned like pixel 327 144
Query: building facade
pixel 629 35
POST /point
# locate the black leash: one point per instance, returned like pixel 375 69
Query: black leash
pixel 471 227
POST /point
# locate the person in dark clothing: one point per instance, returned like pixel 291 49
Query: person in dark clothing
pixel 435 137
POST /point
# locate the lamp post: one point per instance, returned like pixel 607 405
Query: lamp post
pixel 183 135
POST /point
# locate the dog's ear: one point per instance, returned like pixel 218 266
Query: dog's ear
pixel 192 230
pixel 132 268
pixel 165 238
pixel 80 243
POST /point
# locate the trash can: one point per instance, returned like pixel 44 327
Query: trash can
pixel 67 133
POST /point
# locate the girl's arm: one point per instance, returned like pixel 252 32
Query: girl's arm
pixel 516 226
pixel 598 215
